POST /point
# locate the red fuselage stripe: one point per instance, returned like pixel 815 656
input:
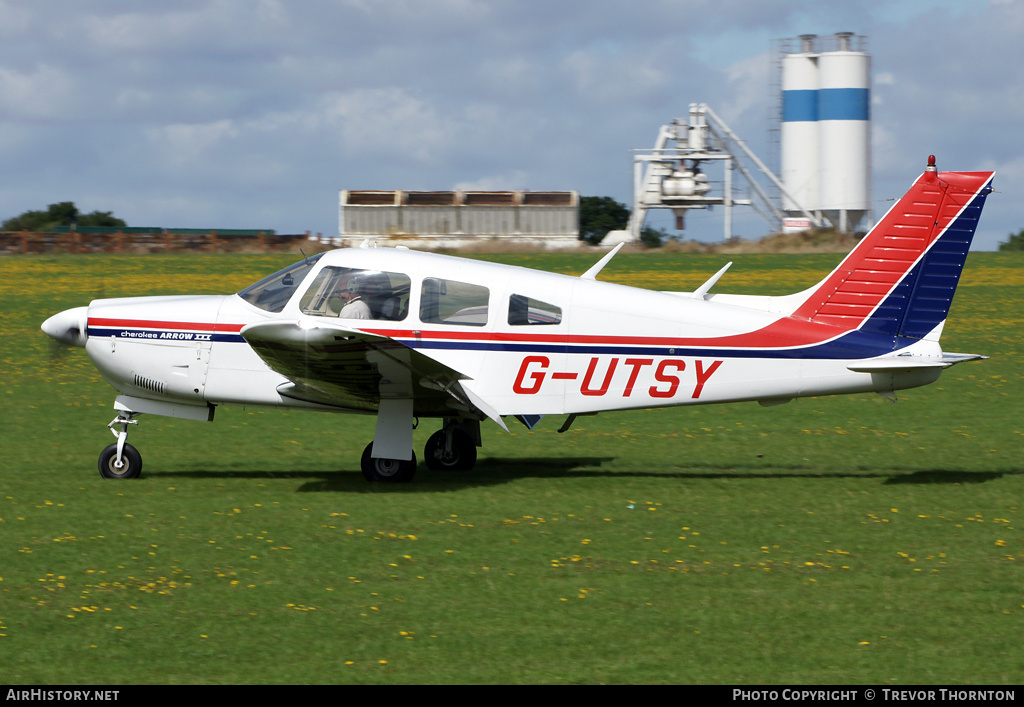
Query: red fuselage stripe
pixel 153 324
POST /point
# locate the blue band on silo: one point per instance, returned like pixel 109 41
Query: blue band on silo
pixel 799 106
pixel 844 104
pixel 826 104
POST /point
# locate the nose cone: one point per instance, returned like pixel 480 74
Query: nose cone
pixel 68 327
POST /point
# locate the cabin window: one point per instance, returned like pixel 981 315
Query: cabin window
pixel 352 293
pixel 273 292
pixel 527 311
pixel 451 302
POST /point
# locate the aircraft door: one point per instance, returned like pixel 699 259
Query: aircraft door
pixel 189 368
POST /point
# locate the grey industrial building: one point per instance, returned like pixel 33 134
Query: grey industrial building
pixel 455 219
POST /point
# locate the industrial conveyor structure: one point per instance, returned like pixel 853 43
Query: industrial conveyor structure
pixel 672 176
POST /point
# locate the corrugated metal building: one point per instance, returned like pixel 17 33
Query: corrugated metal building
pixel 452 219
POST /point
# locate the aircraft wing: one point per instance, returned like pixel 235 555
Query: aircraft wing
pixel 331 364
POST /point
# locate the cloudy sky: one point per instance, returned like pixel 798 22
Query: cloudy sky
pixel 255 113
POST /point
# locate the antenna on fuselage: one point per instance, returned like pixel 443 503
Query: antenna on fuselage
pixel 592 273
pixel 701 291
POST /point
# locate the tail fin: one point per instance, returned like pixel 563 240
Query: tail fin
pixel 900 279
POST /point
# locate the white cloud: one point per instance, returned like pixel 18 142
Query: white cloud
pixel 211 26
pixel 747 88
pixel 15 19
pixel 46 93
pixel 387 122
pixel 192 146
pixel 516 179
pixel 608 77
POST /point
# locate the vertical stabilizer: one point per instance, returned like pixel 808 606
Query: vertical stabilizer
pixel 900 279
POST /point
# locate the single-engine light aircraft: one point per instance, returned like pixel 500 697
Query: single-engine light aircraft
pixel 408 335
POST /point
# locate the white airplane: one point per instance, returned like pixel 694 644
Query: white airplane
pixel 408 335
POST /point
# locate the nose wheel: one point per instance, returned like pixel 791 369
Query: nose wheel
pixel 121 460
pixel 130 463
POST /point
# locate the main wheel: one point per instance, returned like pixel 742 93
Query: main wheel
pixel 387 470
pixel 131 462
pixel 462 456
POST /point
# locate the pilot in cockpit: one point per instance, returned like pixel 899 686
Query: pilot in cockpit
pixel 350 292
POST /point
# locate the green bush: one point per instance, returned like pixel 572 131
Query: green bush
pixel 1015 241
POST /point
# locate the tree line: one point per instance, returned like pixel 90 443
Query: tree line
pixel 57 215
pixel 1015 241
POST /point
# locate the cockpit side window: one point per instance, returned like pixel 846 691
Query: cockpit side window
pixel 272 293
pixel 452 302
pixel 353 293
pixel 526 311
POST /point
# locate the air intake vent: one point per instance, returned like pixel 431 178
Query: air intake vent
pixel 149 384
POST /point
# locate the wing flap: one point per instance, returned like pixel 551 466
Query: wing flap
pixel 480 404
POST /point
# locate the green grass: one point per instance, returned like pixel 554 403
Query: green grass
pixel 838 540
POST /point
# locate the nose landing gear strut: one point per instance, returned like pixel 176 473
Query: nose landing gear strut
pixel 121 460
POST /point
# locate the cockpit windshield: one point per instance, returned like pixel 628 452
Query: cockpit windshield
pixel 272 293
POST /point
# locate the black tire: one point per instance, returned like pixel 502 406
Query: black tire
pixel 129 456
pixel 461 458
pixel 392 471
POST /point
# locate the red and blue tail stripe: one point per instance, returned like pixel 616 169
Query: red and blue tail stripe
pixel 899 281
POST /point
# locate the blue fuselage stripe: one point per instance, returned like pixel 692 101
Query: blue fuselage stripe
pixel 168 337
pixel 853 345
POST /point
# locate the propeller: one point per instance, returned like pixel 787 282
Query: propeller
pixel 68 327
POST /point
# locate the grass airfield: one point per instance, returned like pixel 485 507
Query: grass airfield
pixel 830 540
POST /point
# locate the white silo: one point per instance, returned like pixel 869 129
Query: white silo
pixel 844 119
pixel 800 156
pixel 826 112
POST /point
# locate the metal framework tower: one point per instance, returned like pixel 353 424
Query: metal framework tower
pixel 824 123
pixel 671 175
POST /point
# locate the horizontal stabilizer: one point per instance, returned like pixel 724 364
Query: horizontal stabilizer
pixel 881 365
pixel 908 363
pixel 952 358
